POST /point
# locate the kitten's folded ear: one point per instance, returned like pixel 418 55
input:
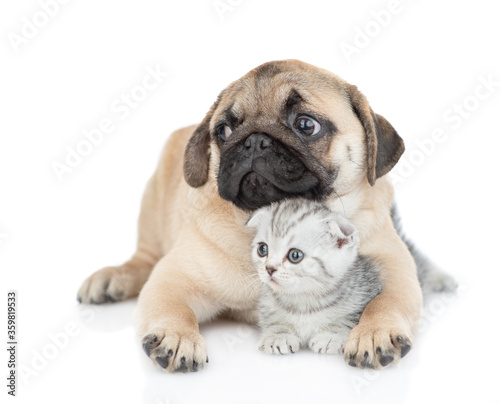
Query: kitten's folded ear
pixel 343 231
pixel 257 218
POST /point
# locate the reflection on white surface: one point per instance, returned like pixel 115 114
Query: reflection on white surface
pixel 105 362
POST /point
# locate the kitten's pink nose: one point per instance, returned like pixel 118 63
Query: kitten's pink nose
pixel 270 270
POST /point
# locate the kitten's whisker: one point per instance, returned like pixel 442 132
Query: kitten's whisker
pixel 352 161
pixel 252 276
pixel 342 203
pixel 251 283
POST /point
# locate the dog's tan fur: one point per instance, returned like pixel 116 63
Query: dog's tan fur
pixel 199 246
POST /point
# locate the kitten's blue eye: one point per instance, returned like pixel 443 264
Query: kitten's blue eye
pixel 262 249
pixel 295 255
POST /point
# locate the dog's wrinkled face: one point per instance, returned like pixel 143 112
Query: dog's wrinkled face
pixel 289 129
pixel 268 153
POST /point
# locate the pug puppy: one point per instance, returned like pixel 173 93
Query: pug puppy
pixel 286 129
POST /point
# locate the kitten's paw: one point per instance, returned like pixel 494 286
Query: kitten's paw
pixel 375 347
pixel 175 352
pixel 280 344
pixel 327 343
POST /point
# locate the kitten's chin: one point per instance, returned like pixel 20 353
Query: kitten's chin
pixel 279 286
pixel 274 284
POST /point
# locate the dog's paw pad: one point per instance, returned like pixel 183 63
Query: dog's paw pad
pixel 375 349
pixel 176 352
pixel 149 342
pixel 403 344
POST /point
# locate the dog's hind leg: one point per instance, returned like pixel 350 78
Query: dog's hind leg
pixel 432 278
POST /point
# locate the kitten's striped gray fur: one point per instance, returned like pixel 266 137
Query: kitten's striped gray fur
pixel 317 301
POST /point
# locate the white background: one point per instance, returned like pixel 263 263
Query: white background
pixel 430 57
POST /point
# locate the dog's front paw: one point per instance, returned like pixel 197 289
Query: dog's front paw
pixel 375 347
pixel 110 284
pixel 327 343
pixel 279 343
pixel 176 352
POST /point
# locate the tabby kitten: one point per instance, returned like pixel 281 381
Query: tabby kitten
pixel 317 285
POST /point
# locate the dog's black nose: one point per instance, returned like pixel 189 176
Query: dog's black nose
pixel 271 270
pixel 258 143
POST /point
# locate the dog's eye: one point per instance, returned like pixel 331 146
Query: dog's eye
pixel 262 249
pixel 224 132
pixel 295 256
pixel 307 126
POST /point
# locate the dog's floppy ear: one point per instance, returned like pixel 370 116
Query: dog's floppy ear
pixel 384 145
pixel 197 153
